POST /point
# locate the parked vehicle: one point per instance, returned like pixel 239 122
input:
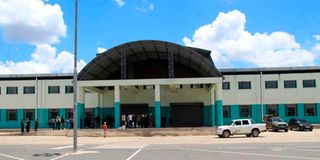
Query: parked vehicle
pixel 241 126
pixel 300 124
pixel 276 124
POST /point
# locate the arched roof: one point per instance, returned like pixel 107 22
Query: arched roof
pixel 109 62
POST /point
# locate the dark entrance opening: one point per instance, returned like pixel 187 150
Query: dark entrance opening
pixel 186 114
pixel 138 110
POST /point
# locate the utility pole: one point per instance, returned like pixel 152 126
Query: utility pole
pixel 75 78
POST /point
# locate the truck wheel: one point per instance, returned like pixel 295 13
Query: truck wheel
pixel 255 133
pixel 286 130
pixel 226 134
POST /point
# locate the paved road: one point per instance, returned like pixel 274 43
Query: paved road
pixel 230 151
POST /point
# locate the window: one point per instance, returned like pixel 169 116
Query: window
pixel 290 84
pixel 291 110
pixel 196 86
pixel 310 109
pixel 53 113
pixel 148 87
pixel 245 122
pixel 272 109
pixel 245 111
pixel 309 83
pixel 0 90
pixel 28 90
pixel 11 115
pixel 110 88
pixel 68 89
pixel 226 85
pixel 237 123
pixel 244 85
pixel 12 90
pixel 29 113
pixel 271 84
pixel 226 111
pixel 53 89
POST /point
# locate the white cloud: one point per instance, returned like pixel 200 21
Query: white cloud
pixel 230 43
pixel 120 3
pixel 31 21
pixel 101 50
pixel 146 7
pixel 317 37
pixel 44 59
pixel 316 47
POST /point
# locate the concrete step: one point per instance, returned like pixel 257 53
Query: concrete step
pixel 144 132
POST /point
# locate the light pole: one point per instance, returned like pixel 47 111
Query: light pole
pixel 75 77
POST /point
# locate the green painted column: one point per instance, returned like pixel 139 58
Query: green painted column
pixel 212 115
pixel 158 114
pixel 219 112
pixel 157 106
pixel 219 103
pixel 80 115
pixel 62 112
pixel 235 111
pixel 117 106
pixel 116 114
pixel 282 110
pixel 300 110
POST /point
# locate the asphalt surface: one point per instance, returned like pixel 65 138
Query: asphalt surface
pixel 230 151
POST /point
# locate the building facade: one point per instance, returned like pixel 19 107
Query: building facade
pixel 176 86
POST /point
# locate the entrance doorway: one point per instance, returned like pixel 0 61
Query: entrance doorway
pixel 187 114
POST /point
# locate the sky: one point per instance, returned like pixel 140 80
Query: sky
pixel 36 36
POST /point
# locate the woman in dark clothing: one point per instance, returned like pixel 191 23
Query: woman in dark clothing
pixel 28 125
pixel 22 126
pixel 36 124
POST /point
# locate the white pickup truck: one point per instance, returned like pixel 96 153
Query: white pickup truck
pixel 241 126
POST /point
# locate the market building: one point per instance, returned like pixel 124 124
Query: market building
pixel 177 86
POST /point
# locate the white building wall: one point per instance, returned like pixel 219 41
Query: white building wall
pixel 279 95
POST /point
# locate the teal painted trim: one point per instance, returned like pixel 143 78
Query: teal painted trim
pixel 3 116
pixel 219 112
pixel 165 113
pixel 158 114
pixel 300 110
pixel 212 117
pixel 235 111
pixel 282 110
pixel 206 115
pixel 80 115
pixel 43 117
pixel 256 114
pixel 116 114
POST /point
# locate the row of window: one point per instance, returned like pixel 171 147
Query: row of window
pixel 311 83
pixel 12 114
pixel 31 89
pixel 290 110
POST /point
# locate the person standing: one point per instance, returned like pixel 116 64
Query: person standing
pixel 22 126
pixel 28 125
pixel 104 129
pixel 62 122
pixel 36 124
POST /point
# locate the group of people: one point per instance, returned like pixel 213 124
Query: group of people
pixel 60 123
pixel 138 121
pixel 26 124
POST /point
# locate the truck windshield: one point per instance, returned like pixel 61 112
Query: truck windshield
pixel 277 119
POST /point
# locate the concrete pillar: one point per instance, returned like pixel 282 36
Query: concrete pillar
pixel 81 107
pixel 212 110
pixel 157 106
pixel 116 106
pixel 219 104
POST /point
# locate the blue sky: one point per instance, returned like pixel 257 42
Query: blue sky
pixel 240 33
